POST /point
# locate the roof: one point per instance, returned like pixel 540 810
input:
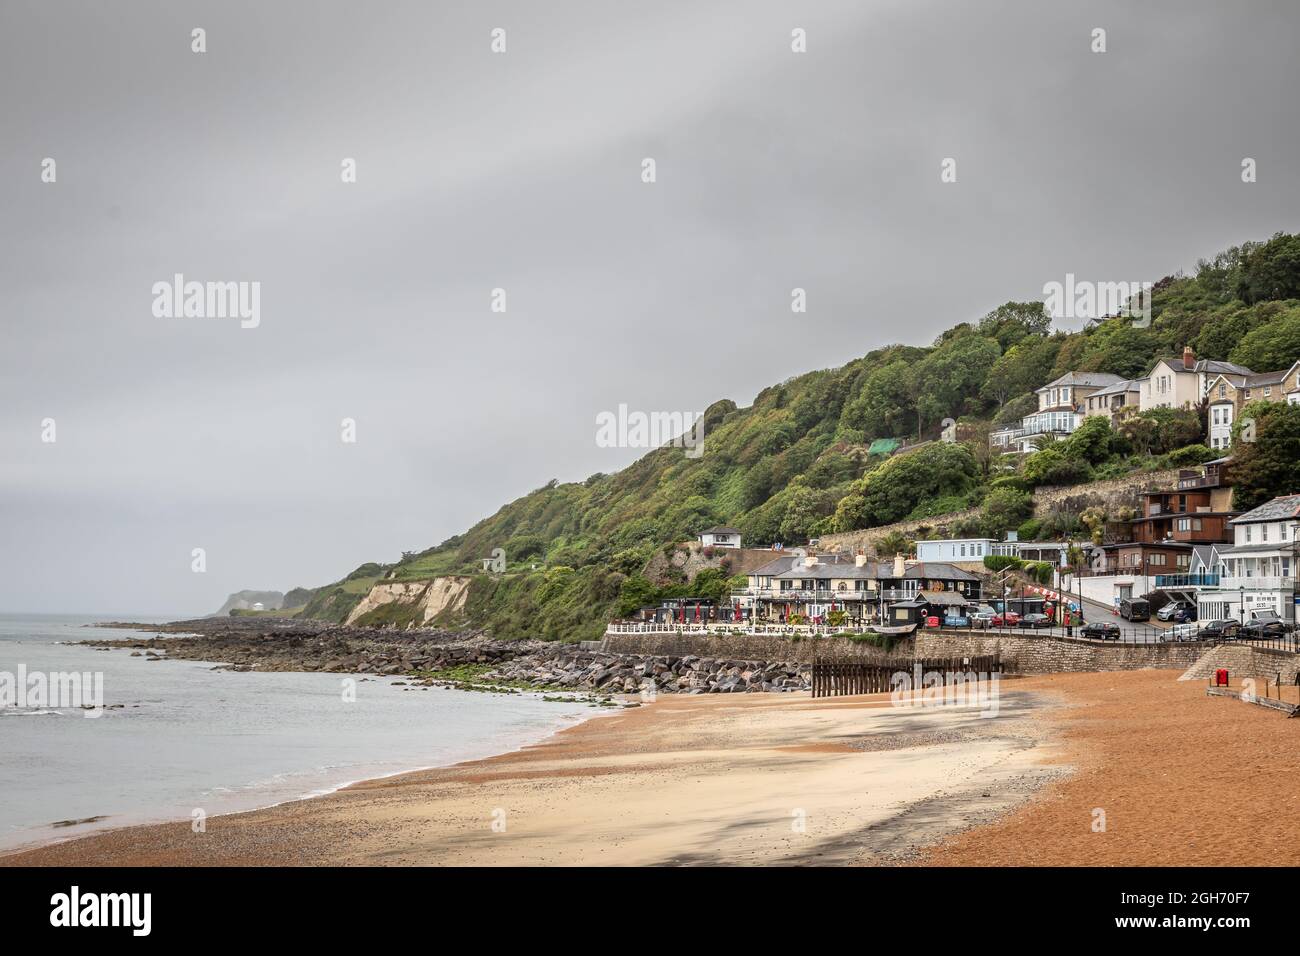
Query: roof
pixel 955 598
pixel 844 566
pixel 1257 548
pixel 1288 506
pixel 1162 545
pixel 933 570
pixel 1085 379
pixel 1265 378
pixel 883 446
pixel 1119 388
pixel 1214 367
pixel 720 529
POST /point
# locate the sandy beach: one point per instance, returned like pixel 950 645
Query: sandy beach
pixel 783 779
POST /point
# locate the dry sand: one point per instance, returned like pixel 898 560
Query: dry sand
pixel 781 779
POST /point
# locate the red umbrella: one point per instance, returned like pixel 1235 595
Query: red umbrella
pixel 683 613
pixel 737 611
pixel 697 613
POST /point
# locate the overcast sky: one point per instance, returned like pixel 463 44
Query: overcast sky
pixel 522 171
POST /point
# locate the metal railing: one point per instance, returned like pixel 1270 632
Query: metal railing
pixel 1187 580
pixel 1129 633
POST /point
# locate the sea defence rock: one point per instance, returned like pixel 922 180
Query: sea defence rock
pixel 634 673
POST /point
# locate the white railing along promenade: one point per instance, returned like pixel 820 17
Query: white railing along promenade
pixel 724 629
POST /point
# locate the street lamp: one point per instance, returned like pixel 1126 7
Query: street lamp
pixel 1241 607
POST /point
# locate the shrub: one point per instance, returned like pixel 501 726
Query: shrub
pixel 1000 562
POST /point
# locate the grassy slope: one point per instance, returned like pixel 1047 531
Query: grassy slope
pixel 778 469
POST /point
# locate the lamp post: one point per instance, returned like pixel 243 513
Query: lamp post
pixel 1241 606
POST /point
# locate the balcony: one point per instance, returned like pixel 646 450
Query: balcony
pixel 1257 583
pixel 1187 580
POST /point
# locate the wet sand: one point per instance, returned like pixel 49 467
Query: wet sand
pixel 783 779
pixel 735 779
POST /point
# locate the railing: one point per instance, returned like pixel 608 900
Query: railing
pixel 824 595
pixel 1187 580
pixel 1130 634
pixel 1257 583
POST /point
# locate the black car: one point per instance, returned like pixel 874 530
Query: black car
pixel 1101 630
pixel 1262 628
pixel 1035 620
pixel 1224 630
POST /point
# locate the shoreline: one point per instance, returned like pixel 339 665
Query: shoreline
pixel 147 820
pixel 616 776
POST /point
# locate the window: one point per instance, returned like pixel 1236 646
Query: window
pixel 1223 390
pixel 1248 534
pixel 1184 560
pixel 1268 390
pixel 1263 532
pixel 1157 559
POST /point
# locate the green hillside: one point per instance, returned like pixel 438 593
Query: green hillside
pixel 797 463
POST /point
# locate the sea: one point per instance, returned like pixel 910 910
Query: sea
pixel 190 742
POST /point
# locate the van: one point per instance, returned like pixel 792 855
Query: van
pixel 1134 609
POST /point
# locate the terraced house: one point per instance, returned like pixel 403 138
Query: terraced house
pixel 813 585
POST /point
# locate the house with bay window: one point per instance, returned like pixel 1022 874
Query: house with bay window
pixel 1061 407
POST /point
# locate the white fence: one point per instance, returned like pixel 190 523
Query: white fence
pixel 724 629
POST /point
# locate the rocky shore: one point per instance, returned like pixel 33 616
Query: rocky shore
pixel 460 657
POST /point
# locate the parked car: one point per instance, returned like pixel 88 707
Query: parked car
pixel 1005 619
pixel 1036 620
pixel 1264 625
pixel 984 615
pixel 1187 631
pixel 1221 630
pixel 1101 630
pixel 1170 611
pixel 956 620
pixel 1135 609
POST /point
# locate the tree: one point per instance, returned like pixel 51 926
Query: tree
pixel 804 509
pixel 1051 467
pixel 1274 346
pixel 890 492
pixel 884 405
pixel 1091 442
pixel 1269 466
pixel 1011 322
pixel 1006 508
pixel 1024 367
pixel 949 376
pixel 1271 271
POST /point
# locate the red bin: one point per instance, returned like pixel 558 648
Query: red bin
pixel 1221 677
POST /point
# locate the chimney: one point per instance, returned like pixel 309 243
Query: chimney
pixel 900 565
pixel 860 559
pixel 1189 358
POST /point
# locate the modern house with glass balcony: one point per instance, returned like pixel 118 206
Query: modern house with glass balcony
pixel 1259 568
pixel 1061 407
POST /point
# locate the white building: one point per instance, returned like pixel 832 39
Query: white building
pixel 1060 411
pixel 977 549
pixel 1259 567
pixel 954 549
pixel 720 537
